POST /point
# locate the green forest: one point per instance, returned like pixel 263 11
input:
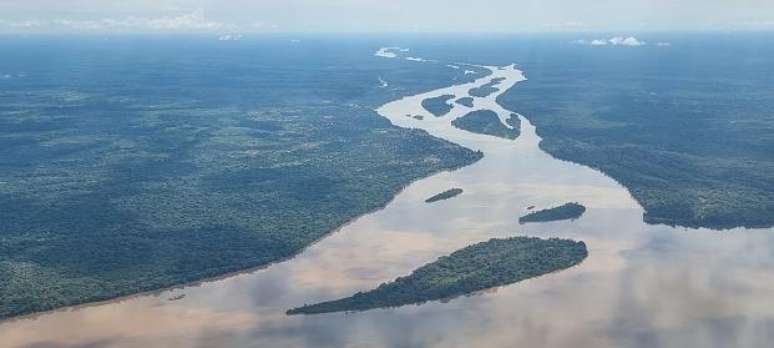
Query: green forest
pixel 438 106
pixel 690 137
pixel 115 183
pixel 486 89
pixel 465 101
pixel 481 266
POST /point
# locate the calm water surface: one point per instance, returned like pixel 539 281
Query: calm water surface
pixel 641 286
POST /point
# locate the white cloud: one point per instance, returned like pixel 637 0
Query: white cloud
pixel 597 42
pixel 230 37
pixel 22 24
pixel 260 25
pixel 388 52
pixel 613 41
pixel 754 25
pixel 663 44
pixel 625 41
pixel 191 21
pixel 418 59
pixel 194 21
pixel 570 25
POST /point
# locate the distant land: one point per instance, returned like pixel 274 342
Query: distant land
pixel 481 266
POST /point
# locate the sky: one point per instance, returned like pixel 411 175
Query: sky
pixel 249 16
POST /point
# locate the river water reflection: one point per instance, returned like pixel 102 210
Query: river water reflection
pixel 641 286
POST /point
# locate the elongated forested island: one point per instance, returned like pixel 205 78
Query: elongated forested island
pixel 451 193
pixel 565 211
pixel 496 262
pixel 438 106
pixel 487 122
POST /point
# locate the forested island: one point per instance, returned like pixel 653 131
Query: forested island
pixel 444 195
pixel 438 106
pixel 487 122
pixel 486 89
pixel 465 101
pixel 496 262
pixel 565 211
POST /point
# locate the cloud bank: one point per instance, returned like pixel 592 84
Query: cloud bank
pixel 630 41
pixel 230 37
pixel 188 22
pixel 359 16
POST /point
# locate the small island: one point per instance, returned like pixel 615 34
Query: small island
pixel 486 89
pixel 444 195
pixel 481 266
pixel 176 298
pixel 465 101
pixel 488 123
pixel 438 106
pixel 563 212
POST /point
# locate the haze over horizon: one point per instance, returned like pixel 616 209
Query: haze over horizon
pixel 244 16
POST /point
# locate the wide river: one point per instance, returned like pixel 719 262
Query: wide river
pixel 641 286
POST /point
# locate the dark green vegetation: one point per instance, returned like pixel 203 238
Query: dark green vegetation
pixel 465 101
pixel 438 106
pixel 486 89
pixel 487 122
pixel 444 195
pixel 496 262
pixel 563 212
pixel 139 163
pixel 691 135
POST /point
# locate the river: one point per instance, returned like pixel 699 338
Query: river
pixel 641 286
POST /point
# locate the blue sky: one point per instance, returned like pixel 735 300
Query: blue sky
pixel 246 16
